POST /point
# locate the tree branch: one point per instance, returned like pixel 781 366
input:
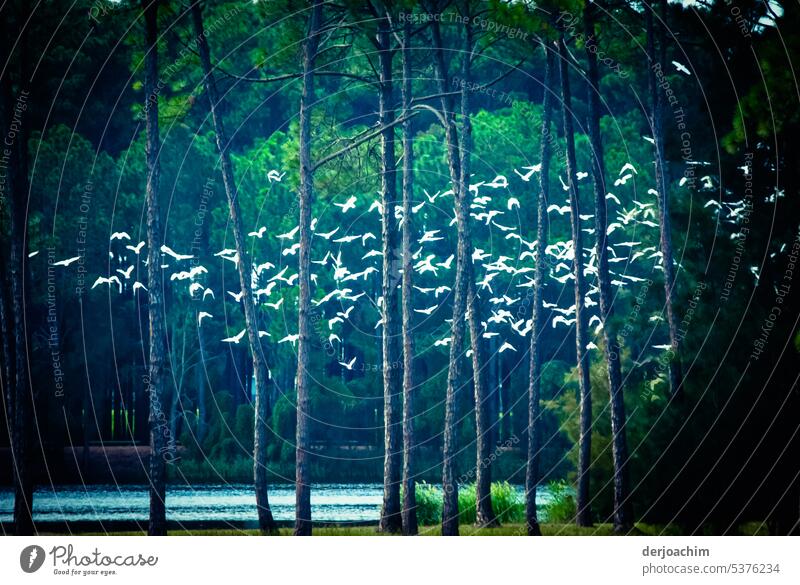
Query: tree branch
pixel 359 142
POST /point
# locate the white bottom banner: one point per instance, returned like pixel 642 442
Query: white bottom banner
pixel 349 560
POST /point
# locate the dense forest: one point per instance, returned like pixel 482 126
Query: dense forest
pixel 449 246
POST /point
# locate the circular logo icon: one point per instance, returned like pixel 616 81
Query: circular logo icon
pixel 31 558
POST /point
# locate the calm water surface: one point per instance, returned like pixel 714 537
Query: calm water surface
pixel 207 502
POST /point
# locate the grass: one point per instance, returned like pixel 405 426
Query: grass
pixel 548 529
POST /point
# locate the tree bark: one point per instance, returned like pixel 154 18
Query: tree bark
pixel 534 382
pixel 201 390
pixel 484 514
pixel 7 374
pixel 584 517
pixel 156 418
pixel 622 507
pixel 410 526
pixel 457 328
pixel 266 523
pixel 391 518
pixel 302 526
pixel 20 391
pixel 656 63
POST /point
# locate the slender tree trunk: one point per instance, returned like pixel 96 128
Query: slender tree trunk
pixel 201 390
pixel 6 324
pixel 410 526
pixel 460 288
pixel 302 526
pixel 20 391
pixel 266 523
pixel 622 507
pixel 584 517
pixel 534 383
pixel 656 63
pixel 391 517
pixel 158 333
pixel 484 514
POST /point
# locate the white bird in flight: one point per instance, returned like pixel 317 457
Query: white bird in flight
pixel 110 280
pixel 327 235
pixel 170 252
pixel 527 176
pixel 234 339
pixel 275 176
pixel 348 365
pixel 506 346
pixel 67 262
pixel 347 205
pixel 681 67
pixel 289 235
pixel 127 272
pixel 137 248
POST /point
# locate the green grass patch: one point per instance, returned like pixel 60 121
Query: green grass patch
pixel 511 529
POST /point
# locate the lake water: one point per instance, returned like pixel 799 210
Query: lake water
pixel 212 503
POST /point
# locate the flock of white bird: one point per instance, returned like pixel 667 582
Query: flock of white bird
pixel 347 273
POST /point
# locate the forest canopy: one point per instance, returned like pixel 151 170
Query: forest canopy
pixel 434 243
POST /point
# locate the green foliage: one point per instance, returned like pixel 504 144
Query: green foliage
pixel 83 142
pixel 560 507
pixel 429 504
pixel 507 503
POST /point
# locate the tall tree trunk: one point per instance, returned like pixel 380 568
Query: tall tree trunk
pixel 410 526
pixel 266 523
pixel 21 391
pixel 156 419
pixel 391 518
pixel 201 390
pixel 302 525
pixel 7 373
pixel 460 287
pixel 584 517
pixel 656 62
pixel 484 514
pixel 622 507
pixel 534 383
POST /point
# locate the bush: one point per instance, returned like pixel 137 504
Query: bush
pixel 507 503
pixel 429 504
pixel 561 507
